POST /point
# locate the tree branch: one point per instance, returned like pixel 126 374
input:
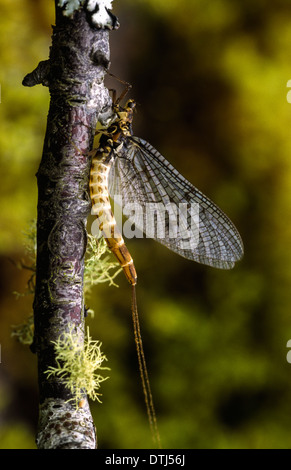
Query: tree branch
pixel 74 73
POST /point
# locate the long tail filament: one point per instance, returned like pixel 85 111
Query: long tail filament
pixel 144 372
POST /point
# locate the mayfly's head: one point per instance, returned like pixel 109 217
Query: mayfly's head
pixel 131 104
pixel 125 111
pixel 125 117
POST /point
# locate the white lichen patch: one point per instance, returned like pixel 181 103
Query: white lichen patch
pixel 97 8
pixel 99 95
pixel 70 6
pixel 92 5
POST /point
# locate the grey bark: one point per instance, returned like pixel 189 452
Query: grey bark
pixel 74 73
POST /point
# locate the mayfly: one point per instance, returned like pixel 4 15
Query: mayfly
pixel 129 167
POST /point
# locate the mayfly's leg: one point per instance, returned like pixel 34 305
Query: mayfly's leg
pixel 123 94
pixel 128 86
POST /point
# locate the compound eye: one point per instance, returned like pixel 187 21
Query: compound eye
pixel 131 104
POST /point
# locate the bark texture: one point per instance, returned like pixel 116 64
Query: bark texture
pixel 74 73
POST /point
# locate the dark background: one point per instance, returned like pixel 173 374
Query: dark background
pixel 210 79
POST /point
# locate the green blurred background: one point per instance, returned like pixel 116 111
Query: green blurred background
pixel 210 79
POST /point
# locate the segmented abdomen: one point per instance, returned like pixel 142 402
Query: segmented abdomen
pixel 102 209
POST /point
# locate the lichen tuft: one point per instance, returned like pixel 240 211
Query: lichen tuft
pixel 77 365
pixel 99 268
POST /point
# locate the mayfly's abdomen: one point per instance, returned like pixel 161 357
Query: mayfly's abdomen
pixel 102 209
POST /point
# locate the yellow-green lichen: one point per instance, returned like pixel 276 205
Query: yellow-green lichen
pixel 99 268
pixel 77 365
pixel 30 264
pixel 24 331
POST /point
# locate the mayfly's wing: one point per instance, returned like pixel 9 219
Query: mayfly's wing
pixel 166 207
